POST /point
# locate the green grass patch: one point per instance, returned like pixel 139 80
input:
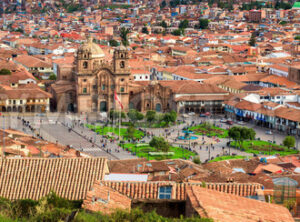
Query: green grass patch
pixel 264 147
pixel 161 124
pixel 142 151
pixel 115 130
pixel 220 158
pixel 209 130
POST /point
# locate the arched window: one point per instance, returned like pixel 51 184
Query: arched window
pixel 122 64
pixel 85 65
pixel 122 55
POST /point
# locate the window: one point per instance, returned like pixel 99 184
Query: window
pixel 134 77
pixel 165 192
pixel 21 101
pixel 85 65
pixel 122 80
pixel 122 89
pixel 140 77
pixel 94 86
pixel 103 87
pixel 146 77
pixel 84 80
pixel 14 102
pixel 64 77
pixel 112 87
pixel 84 90
pixel 122 64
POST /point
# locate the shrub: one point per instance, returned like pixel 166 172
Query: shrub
pixel 197 160
pixel 5 72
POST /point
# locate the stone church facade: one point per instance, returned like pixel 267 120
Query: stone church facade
pixel 90 83
pixel 95 81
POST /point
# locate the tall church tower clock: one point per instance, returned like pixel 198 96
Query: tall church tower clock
pixel 122 73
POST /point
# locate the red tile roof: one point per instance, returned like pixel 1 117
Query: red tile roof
pixel 230 208
pixel 34 178
pixel 149 190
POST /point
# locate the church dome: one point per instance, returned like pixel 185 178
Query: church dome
pixel 90 47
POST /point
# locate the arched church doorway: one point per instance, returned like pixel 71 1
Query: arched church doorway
pixel 158 107
pixel 103 106
pixel 131 105
pixel 71 107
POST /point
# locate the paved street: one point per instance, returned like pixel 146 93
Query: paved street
pixel 55 128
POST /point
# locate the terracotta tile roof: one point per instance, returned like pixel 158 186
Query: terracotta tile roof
pixel 105 199
pixel 34 178
pixel 30 61
pixel 278 80
pixel 288 113
pixel 150 189
pixel 186 86
pixel 245 105
pixel 228 208
pixel 202 98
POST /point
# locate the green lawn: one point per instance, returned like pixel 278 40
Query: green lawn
pixel 143 149
pixel 108 129
pixel 161 124
pixel 220 158
pixel 263 147
pixel 209 130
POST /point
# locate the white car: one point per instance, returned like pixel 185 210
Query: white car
pixel 269 132
pixel 191 113
pixel 223 120
pixel 240 123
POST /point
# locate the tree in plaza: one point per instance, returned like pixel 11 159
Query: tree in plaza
pixel 252 40
pixel 135 115
pixel 239 134
pixel 170 117
pixel 116 115
pixel 150 116
pixel 130 132
pixel 289 141
pixel 160 144
pixel 123 34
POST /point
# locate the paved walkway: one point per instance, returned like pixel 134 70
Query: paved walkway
pixel 55 127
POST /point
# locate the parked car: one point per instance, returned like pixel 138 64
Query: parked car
pixel 269 132
pixel 202 115
pixel 241 123
pixel 191 113
pixel 229 122
pixel 223 120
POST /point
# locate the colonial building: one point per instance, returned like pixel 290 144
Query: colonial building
pixel 90 85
